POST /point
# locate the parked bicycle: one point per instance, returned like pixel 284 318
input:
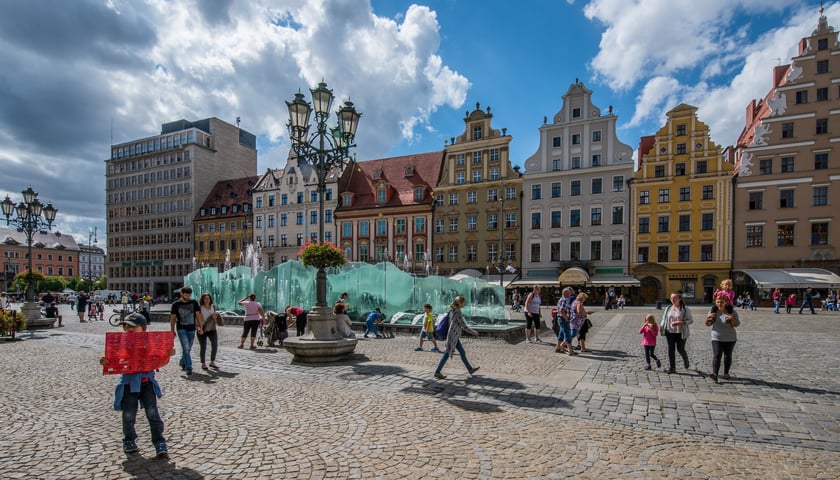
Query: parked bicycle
pixel 118 316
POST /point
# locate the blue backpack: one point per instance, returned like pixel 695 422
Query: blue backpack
pixel 442 327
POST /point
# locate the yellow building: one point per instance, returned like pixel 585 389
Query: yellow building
pixel 222 224
pixel 681 200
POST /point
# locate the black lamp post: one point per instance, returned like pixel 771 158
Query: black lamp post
pixel 323 149
pixel 32 216
pixel 91 241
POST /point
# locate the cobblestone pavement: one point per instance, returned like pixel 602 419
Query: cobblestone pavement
pixel 528 413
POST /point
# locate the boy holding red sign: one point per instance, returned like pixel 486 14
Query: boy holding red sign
pixel 142 389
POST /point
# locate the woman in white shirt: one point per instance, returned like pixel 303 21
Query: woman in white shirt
pixel 208 330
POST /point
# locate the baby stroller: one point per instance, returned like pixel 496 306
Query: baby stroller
pixel 276 329
pixel 261 336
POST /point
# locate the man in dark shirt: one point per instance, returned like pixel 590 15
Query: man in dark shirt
pixel 81 306
pixel 186 316
pixel 52 312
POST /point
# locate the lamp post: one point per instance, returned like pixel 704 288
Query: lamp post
pixel 324 149
pixel 501 235
pixel 91 240
pixel 32 216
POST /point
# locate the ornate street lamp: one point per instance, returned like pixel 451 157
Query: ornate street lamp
pixel 324 149
pixel 32 216
pixel 91 241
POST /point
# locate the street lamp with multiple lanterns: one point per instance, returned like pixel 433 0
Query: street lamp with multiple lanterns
pixel 32 216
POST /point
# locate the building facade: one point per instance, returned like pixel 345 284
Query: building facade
pixel 575 203
pixel 478 203
pixel 91 263
pixel 220 227
pixel 681 195
pixel 787 169
pixel 53 254
pixel 154 188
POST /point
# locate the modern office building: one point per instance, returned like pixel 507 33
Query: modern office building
pixel 478 204
pixel 155 186
pixel 575 204
pixel 681 196
pixel 221 226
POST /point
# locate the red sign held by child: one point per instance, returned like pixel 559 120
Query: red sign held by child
pixel 136 352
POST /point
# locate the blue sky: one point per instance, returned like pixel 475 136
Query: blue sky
pixel 77 74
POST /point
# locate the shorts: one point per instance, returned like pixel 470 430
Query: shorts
pixel 427 335
pixel 532 319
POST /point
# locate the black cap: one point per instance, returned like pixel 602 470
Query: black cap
pixel 135 320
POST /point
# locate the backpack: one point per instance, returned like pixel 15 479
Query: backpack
pixel 442 327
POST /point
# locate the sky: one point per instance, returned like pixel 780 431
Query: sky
pixel 79 76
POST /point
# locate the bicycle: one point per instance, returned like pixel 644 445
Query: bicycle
pixel 117 317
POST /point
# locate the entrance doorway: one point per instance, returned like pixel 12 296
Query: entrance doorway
pixel 649 290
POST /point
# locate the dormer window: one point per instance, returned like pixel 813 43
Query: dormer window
pixel 377 174
pixel 224 209
pixel 347 199
pixel 381 196
pixel 418 193
pixel 212 210
pixel 202 212
pixel 409 171
pixel 235 209
pixel 477 133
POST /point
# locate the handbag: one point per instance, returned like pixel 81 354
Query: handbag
pixel 219 321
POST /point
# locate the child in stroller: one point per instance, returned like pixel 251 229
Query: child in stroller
pixel 277 328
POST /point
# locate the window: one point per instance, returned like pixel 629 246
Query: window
pixel 643 254
pixel 510 193
pixel 822 94
pixel 595 250
pixel 784 235
pixel 664 224
pixel 765 167
pixel 617 249
pixel 510 220
pixel 820 161
pixel 756 200
pixel 381 228
pixel 472 252
pixel 662 254
pixel 399 226
pixel 822 126
pixel 555 219
pixel 453 199
pixel 492 221
pixel 300 197
pixel 439 225
pixel 476 158
pixel 556 141
pixel 596 136
pixel 820 195
pixel 575 162
pixel 346 229
pixel 420 225
pixel 787 164
pixel 755 235
pixel 685 194
pixel 298 219
pixel 472 197
pixel 471 223
pixel 439 199
pixel 702 166
pixel 418 194
pixel 644 225
pixel 685 223
pixel 618 183
pixel 476 176
pixel 476 133
pixel 707 221
pixel 535 220
pixel 364 253
pixel 492 195
pixel 802 96
pixel 535 252
pixel 536 191
pixel 644 197
pixel 595 214
pixel 576 113
pixel 364 228
pixel 556 164
pixel 576 139
pixel 575 188
pixel 460 178
pixel 681 149
pixel 574 217
pixel 683 253
pixel 453 253
pixel 659 171
pixel 596 160
pixel 259 202
pixel 618 215
pixel 681 129
pixel 555 252
pixel 283 220
pixel 819 233
pixel 664 195
pixel 822 66
pixel 313 217
pixel 708 192
pixel 786 198
pixel 597 186
pixel 555 189
pixel 679 169
pixel 822 44
pixel 787 130
pixel 459 160
pixel 574 250
pixel 494 173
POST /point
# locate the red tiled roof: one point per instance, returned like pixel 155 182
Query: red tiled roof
pixel 235 191
pixel 645 144
pixel 392 171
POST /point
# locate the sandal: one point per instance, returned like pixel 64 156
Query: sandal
pixel 203 366
pixel 240 346
pixel 213 365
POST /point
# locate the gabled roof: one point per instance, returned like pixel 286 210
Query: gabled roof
pixel 227 193
pixel 360 180
pixel 52 239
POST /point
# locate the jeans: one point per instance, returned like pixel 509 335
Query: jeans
pixel 213 336
pixel 776 304
pixel 445 357
pixel 146 397
pixel 725 349
pixel 807 303
pixel 186 337
pixel 676 340
pixel 565 331
pixel 370 326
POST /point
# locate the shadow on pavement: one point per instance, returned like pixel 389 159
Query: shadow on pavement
pixel 780 386
pixel 141 467
pixel 210 376
pixel 606 355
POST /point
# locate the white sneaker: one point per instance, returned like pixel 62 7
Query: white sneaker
pixel 527 340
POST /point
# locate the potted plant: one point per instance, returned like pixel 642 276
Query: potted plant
pixel 321 255
pixel 11 322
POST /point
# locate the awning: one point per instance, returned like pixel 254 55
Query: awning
pixel 573 276
pixel 494 279
pixel 799 278
pixel 613 281
pixel 532 282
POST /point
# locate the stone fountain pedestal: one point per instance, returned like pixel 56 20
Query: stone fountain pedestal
pixel 321 343
pixel 32 313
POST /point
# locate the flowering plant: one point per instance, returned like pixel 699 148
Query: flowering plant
pixel 319 255
pixel 12 321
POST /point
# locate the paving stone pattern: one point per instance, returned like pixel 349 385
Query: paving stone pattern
pixel 528 413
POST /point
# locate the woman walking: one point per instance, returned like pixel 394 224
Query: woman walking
pixel 254 316
pixel 532 315
pixel 579 320
pixel 453 337
pixel 208 330
pixel 723 336
pixel 674 324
